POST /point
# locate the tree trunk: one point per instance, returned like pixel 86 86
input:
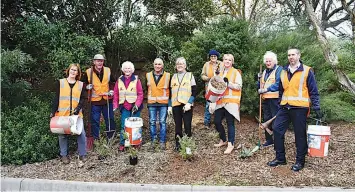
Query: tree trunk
pixel 328 53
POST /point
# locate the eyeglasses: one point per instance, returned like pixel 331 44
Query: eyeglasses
pixel 213 56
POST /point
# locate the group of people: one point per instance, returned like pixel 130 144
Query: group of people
pixel 287 92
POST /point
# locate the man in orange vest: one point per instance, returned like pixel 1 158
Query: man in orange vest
pixel 101 85
pixel 269 90
pixel 298 91
pixel 210 68
pixel 158 83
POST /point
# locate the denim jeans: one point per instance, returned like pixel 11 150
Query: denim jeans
pixel 125 114
pixel 207 119
pixel 153 113
pixel 63 144
pixel 96 111
pixel 219 115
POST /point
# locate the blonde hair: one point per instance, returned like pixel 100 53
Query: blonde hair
pixel 127 64
pixel 272 55
pixel 77 65
pixel 158 60
pixel 229 55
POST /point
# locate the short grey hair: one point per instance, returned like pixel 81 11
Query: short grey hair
pixel 127 64
pixel 181 60
pixel 272 55
pixel 158 60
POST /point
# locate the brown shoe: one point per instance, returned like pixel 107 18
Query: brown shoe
pixel 83 158
pixel 229 148
pixel 65 160
pixel 220 144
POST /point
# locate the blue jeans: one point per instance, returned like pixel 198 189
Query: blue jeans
pixel 207 119
pixel 107 111
pixel 63 144
pixel 162 112
pixel 219 115
pixel 125 114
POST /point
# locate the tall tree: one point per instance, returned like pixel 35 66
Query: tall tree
pixel 328 53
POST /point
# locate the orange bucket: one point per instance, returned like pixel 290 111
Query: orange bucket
pixel 67 125
pixel 318 140
pixel 133 128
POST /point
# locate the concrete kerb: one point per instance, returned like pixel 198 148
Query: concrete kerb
pixel 20 184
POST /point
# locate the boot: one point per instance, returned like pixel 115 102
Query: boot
pixel 229 148
pixel 220 144
pixel 65 160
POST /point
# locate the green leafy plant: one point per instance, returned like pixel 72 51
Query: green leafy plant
pixel 133 152
pixel 245 152
pixel 188 147
pixel 104 147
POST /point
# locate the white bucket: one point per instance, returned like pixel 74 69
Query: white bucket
pixel 318 140
pixel 213 94
pixel 67 125
pixel 133 126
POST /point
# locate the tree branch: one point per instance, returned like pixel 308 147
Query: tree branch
pixel 336 22
pixel 338 9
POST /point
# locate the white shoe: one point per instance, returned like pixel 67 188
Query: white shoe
pixel 229 148
pixel 220 144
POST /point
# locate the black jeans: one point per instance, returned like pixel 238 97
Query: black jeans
pixel 179 118
pixel 219 115
pixel 270 108
pixel 298 117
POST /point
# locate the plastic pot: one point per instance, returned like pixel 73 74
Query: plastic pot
pixel 133 160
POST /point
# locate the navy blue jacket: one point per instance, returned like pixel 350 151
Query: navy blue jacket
pixel 311 85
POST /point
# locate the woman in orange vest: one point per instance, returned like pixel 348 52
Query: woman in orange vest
pixel 127 97
pixel 183 93
pixel 158 83
pixel 68 101
pixel 268 85
pixel 229 105
pixel 210 68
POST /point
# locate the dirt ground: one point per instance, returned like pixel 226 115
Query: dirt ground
pixel 209 166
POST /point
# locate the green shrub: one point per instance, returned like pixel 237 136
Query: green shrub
pixel 25 134
pixel 338 107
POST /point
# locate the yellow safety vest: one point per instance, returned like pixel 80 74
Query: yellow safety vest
pixel 269 81
pixel 158 93
pixel 98 86
pixel 181 91
pixel 230 95
pixel 130 93
pixel 64 97
pixel 295 91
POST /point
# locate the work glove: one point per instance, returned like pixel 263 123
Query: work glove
pixel 110 93
pixel 187 107
pixel 76 111
pixel 170 111
pixel 89 86
pixel 319 114
pixel 212 108
pixel 115 109
pixel 258 76
pixel 134 109
pixel 261 91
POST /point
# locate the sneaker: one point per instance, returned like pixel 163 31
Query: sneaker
pixel 220 144
pixel 229 148
pixel 206 126
pixel 65 160
pixel 82 158
pixel 268 143
pixel 121 148
pixel 162 146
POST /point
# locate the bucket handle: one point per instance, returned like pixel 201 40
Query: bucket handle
pixel 319 121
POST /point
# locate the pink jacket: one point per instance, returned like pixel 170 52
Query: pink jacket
pixel 127 105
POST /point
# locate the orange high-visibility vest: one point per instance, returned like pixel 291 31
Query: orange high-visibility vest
pixel 65 93
pixel 180 91
pixel 130 93
pixel 269 81
pixel 208 70
pixel 158 93
pixel 231 96
pixel 296 90
pixel 98 86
